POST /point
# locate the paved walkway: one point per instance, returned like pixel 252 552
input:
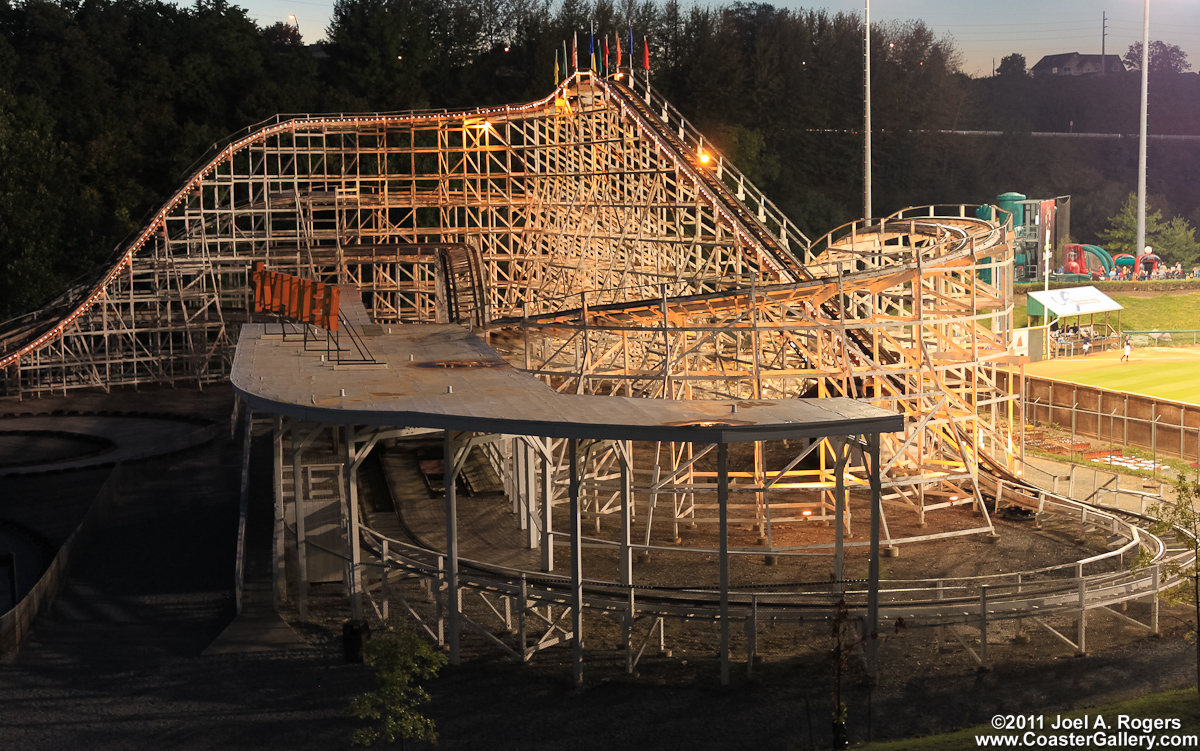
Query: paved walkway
pixel 102 438
pixel 1089 478
pixel 258 628
pixel 120 662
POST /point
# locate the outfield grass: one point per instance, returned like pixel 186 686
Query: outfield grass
pixel 1165 372
pixel 1172 705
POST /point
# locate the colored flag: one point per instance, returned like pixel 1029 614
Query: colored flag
pixel 592 49
pixel 565 68
pixel 645 53
pixel 575 51
pixel 617 39
pixel 557 76
pixel 630 49
pixel 604 67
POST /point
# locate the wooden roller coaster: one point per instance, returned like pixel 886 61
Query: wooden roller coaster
pixel 603 245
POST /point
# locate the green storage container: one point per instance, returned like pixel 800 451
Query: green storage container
pixel 1011 202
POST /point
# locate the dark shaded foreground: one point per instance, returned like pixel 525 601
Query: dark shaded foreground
pixel 119 663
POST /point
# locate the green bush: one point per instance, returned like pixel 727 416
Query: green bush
pixel 401 660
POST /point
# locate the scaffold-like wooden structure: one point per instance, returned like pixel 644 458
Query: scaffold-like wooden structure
pixel 597 241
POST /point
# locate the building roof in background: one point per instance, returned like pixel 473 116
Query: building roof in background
pixel 1074 63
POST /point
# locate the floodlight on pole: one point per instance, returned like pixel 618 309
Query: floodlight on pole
pixel 867 111
pixel 1140 243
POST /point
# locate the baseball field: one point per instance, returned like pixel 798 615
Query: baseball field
pixel 1166 372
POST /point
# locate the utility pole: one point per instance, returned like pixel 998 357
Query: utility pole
pixel 1103 38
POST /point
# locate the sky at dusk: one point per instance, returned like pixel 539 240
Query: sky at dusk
pixel 983 31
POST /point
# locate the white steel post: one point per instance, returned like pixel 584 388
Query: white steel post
pixel 839 505
pixel 983 622
pixel 547 509
pixel 352 532
pixel 450 479
pixel 244 503
pixel 1140 241
pixel 384 585
pixel 723 516
pixel 530 490
pixel 299 514
pixel 625 453
pixel 279 542
pixel 867 111
pixel 1156 572
pixel 1082 615
pixel 872 634
pixel 576 560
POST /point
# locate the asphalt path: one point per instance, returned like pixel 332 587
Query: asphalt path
pixel 118 664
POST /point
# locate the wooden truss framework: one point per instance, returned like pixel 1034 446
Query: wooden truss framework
pixel 602 244
pixel 860 329
pixel 523 611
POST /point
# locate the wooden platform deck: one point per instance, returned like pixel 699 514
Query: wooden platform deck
pixel 488 530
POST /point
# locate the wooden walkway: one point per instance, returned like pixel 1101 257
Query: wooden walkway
pixel 488 531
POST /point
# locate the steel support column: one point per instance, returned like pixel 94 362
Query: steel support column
pixel 450 479
pixel 723 515
pixel 625 455
pixel 576 561
pixel 839 503
pixel 872 625
pixel 279 531
pixel 354 580
pixel 547 509
pixel 298 495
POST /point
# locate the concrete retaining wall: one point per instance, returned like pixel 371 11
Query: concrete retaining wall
pixel 16 623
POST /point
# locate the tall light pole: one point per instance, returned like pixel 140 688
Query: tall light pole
pixel 1141 208
pixel 867 111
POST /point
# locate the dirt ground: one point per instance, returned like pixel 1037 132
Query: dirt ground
pixel 674 701
pixel 119 664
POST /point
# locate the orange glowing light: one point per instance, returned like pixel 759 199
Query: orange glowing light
pixel 704 158
pixel 806 512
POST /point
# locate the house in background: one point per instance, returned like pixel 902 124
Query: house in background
pixel 1075 64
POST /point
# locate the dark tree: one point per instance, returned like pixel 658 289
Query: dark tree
pixel 382 50
pixel 1012 66
pixel 1164 58
pixel 282 37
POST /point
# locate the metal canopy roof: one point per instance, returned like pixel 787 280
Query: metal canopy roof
pixel 443 377
pixel 1077 301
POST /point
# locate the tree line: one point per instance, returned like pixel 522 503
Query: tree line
pixel 104 105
